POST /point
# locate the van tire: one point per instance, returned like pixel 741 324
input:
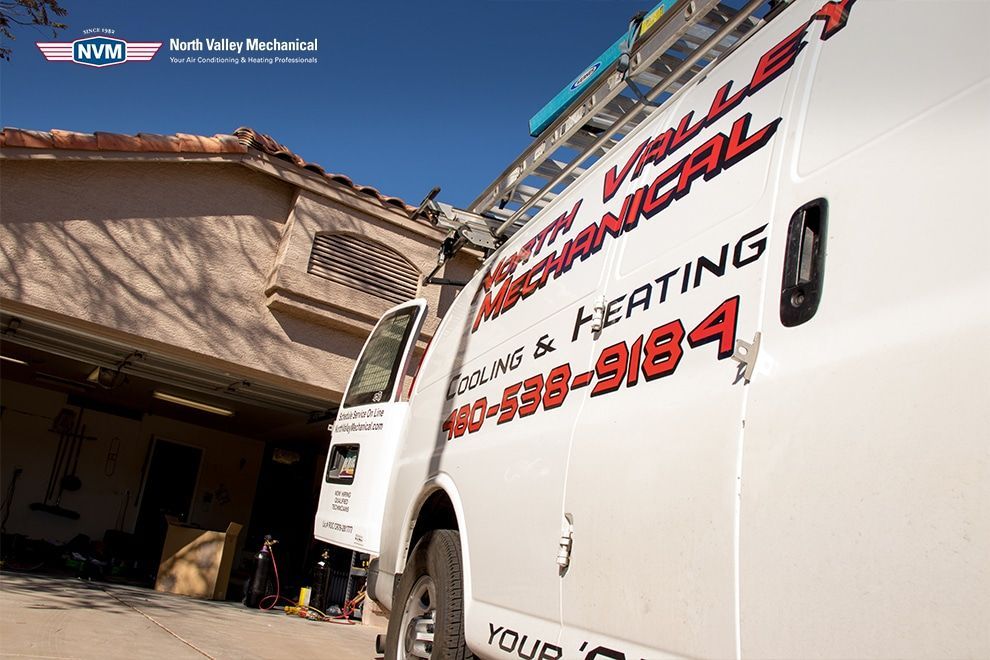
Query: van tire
pixel 432 586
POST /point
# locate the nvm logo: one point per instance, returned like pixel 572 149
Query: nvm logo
pixel 99 51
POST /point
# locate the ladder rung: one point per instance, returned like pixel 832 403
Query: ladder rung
pixel 611 113
pixel 582 140
pixel 502 214
pixel 551 168
pixel 526 190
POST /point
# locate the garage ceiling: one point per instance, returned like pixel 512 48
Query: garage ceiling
pixel 64 359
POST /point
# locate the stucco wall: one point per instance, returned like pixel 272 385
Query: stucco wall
pixel 174 252
pixel 183 254
pixel 293 290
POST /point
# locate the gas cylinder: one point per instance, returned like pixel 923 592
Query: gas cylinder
pixel 260 584
pixel 321 577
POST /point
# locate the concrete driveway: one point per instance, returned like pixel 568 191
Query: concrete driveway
pixel 49 617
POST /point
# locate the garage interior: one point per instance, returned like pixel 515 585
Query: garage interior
pixel 101 441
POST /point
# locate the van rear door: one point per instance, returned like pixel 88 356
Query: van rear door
pixel 366 434
pixel 866 467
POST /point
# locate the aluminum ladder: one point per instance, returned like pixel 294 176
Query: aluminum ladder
pixel 673 51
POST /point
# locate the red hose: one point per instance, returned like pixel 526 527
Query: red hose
pixel 344 618
pixel 278 587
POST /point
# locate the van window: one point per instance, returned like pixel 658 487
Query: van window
pixel 375 376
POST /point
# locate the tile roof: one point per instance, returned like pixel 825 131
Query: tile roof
pixel 242 141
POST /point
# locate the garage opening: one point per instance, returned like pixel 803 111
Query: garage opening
pixel 106 446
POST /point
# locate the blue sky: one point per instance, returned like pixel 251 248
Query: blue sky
pixel 406 95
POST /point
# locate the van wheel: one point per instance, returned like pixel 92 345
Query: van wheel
pixel 427 618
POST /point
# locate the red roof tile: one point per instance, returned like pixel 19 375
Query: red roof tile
pixel 71 140
pixel 165 143
pixel 28 139
pixel 117 142
pixel 241 142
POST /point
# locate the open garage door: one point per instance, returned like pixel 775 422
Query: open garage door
pixel 83 414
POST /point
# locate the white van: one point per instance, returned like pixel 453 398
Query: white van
pixel 727 395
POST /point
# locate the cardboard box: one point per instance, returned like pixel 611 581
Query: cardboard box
pixel 197 562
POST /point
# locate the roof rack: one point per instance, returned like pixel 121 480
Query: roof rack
pixel 463 227
pixel 667 56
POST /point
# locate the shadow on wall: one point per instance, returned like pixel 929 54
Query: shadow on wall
pixel 176 253
pixel 300 331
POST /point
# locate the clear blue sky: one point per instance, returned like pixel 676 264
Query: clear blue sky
pixel 406 95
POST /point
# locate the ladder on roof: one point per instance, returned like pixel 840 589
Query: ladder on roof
pixel 667 56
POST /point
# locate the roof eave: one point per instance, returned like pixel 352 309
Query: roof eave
pixel 255 160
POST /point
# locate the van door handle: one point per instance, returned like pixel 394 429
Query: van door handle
pixel 804 263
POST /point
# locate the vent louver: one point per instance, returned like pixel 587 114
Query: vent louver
pixel 363 265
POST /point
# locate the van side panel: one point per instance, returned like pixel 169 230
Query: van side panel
pixel 865 516
pixel 652 479
pixel 485 414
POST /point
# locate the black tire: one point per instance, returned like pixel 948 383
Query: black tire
pixel 432 584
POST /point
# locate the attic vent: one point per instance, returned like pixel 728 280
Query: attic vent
pixel 363 265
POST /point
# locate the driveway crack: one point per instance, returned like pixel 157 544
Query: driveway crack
pixel 160 625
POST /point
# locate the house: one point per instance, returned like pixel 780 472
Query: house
pixel 179 318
